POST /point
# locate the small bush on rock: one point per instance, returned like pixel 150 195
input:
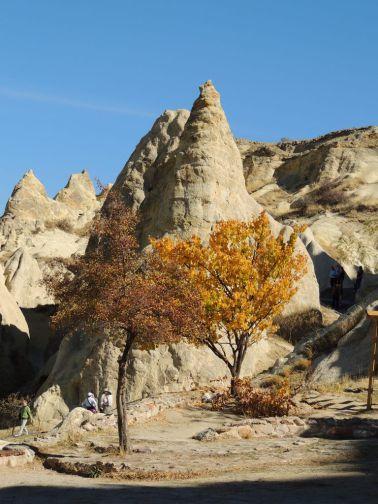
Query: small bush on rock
pixel 301 364
pixel 293 327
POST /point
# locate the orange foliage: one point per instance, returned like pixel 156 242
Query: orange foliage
pixel 244 276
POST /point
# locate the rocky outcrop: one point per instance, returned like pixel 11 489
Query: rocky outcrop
pixel 202 181
pixel 184 176
pixel 137 177
pixel 329 183
pixel 35 230
pixel 350 344
pixel 338 350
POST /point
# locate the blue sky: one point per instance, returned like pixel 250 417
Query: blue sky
pixel 82 80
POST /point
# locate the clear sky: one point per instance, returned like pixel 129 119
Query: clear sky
pixel 82 80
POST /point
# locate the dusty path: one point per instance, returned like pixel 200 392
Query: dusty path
pixel 293 470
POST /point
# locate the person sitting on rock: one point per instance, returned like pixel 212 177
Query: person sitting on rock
pixel 24 415
pixel 106 402
pixel 90 403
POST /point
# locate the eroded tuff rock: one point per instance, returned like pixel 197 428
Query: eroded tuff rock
pixel 329 183
pixel 196 180
pixel 138 176
pixel 36 229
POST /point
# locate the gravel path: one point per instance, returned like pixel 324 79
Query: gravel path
pixel 293 470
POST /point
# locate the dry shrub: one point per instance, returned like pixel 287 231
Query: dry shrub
pixel 256 403
pixel 285 372
pixel 62 224
pixel 293 327
pixel 272 381
pixel 221 401
pixel 301 364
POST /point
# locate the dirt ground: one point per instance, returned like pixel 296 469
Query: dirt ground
pixel 290 470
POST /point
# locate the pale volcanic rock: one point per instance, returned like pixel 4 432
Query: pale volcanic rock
pixel 79 193
pixel 202 181
pixel 329 183
pixel 136 178
pixel 24 280
pixel 90 363
pixel 35 230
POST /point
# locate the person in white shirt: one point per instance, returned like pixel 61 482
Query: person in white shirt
pixel 106 402
pixel 90 403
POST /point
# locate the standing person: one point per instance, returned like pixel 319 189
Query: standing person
pixel 341 278
pixel 90 403
pixel 333 274
pixel 357 283
pixel 106 402
pixel 24 415
pixel 334 277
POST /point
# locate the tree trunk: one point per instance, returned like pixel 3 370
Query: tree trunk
pixel 235 375
pixel 123 436
pixel 236 369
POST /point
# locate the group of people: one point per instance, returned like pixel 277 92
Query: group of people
pixel 90 403
pixel 106 403
pixel 336 278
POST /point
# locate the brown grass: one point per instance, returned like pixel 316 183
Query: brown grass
pixel 293 327
pixel 301 364
pixel 62 224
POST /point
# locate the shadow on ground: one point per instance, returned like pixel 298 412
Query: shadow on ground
pixel 324 490
pixel 352 480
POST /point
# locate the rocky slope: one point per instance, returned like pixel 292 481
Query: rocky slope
pixel 329 183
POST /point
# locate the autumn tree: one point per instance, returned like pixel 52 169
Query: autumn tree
pixel 116 288
pixel 244 275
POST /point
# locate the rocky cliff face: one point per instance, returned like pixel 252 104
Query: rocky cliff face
pixel 196 181
pixel 35 230
pixel 14 341
pixel 329 183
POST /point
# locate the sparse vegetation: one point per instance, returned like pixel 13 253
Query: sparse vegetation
pixel 294 327
pixel 272 381
pixel 62 224
pixel 301 364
